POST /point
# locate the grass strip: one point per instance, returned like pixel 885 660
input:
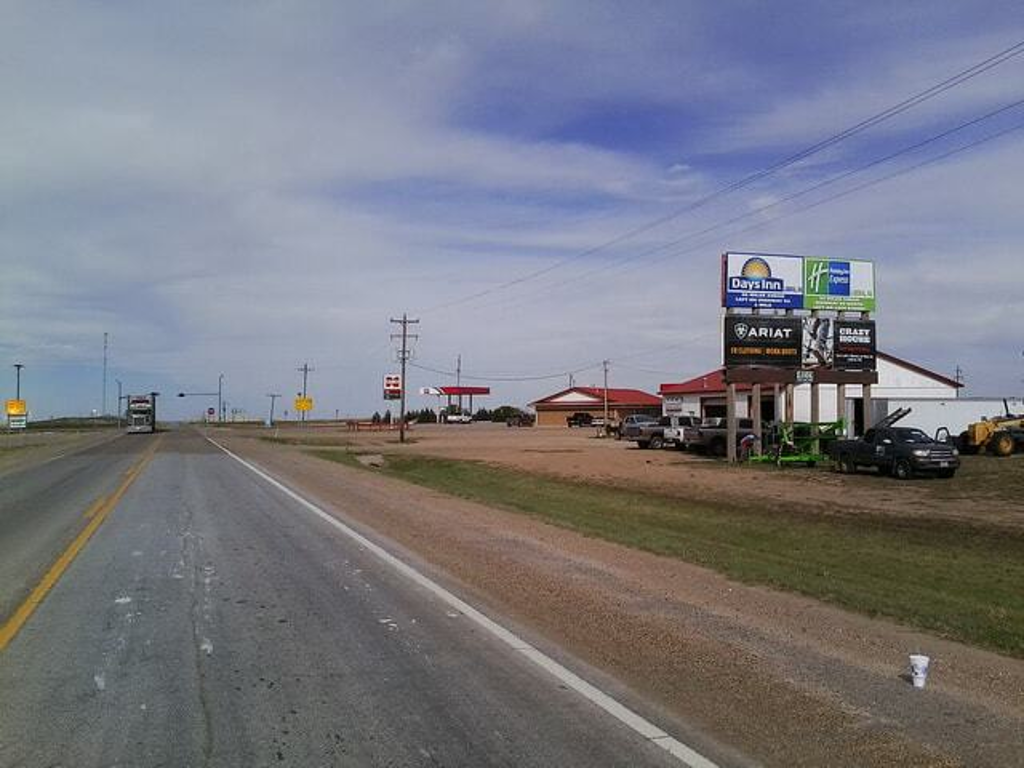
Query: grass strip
pixel 953 579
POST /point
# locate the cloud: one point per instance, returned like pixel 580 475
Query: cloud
pixel 239 188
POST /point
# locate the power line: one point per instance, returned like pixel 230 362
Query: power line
pixel 577 279
pixel 879 117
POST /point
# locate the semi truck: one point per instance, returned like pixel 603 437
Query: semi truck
pixel 141 415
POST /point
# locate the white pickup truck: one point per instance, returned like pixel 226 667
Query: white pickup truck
pixel 675 429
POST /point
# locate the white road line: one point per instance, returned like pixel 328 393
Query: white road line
pixel 619 711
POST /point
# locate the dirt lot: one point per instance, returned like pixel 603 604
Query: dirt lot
pixel 785 679
pixel 985 491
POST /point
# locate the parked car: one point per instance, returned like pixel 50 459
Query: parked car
pixel 675 432
pixel 520 419
pixel 642 429
pixel 580 419
pixel 898 451
pixel 711 436
pixel 458 418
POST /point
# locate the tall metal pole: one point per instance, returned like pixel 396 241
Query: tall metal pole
pixel 118 403
pixel 458 379
pixel 272 397
pixel 403 356
pixel 17 380
pixel 220 397
pixel 103 410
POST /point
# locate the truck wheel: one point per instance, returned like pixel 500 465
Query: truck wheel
pixel 656 442
pixel 1001 444
pixel 963 444
pixel 848 466
pixel 902 470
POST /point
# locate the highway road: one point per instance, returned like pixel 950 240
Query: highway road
pixel 163 605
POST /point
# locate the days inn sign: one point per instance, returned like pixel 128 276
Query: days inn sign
pixel 773 281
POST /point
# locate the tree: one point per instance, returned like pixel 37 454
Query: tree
pixel 482 415
pixel 375 418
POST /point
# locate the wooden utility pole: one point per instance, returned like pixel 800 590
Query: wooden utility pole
pixel 403 357
pixel 604 364
pixel 304 370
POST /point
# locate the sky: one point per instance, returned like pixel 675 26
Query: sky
pixel 239 188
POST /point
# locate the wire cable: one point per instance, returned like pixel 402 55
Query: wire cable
pixel 879 117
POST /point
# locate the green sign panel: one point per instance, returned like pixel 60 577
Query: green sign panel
pixel 841 285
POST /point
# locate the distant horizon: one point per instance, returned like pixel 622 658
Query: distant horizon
pixel 239 191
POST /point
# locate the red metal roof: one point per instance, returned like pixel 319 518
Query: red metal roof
pixel 713 382
pixel 623 397
pixel 465 390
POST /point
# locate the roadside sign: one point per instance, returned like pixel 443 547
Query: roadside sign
pixel 303 404
pixel 16 408
pixel 211 411
pixel 772 281
pixel 17 422
pixel 759 340
pixel 392 386
pixel 854 344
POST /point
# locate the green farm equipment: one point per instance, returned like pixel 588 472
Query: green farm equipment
pixel 804 443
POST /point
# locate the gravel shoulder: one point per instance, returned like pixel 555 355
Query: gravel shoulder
pixel 781 678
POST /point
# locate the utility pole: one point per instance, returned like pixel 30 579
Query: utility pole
pixel 403 356
pixel 604 364
pixel 273 397
pixel 103 410
pixel 304 370
pixel 17 380
pixel 220 397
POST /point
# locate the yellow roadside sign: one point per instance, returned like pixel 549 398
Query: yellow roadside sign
pixel 16 408
pixel 303 403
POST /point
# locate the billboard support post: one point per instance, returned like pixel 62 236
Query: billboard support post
pixel 730 422
pixel 755 415
pixel 841 408
pixel 815 416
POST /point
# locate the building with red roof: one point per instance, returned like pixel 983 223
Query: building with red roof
pixel 553 410
pixel 899 382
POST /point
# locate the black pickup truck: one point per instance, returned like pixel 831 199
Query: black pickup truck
pixel 898 451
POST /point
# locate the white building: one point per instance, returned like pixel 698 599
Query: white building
pixel 932 396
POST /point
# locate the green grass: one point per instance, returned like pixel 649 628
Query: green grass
pixel 954 579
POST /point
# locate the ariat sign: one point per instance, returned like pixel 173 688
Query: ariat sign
pixel 753 340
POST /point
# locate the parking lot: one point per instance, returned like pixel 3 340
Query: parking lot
pixel 987 491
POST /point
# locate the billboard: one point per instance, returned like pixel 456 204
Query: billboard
pixel 762 281
pixel 854 344
pixel 817 343
pixel 768 281
pixel 757 340
pixel 16 407
pixel 839 285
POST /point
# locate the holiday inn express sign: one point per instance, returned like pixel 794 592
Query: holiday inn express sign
pixel 769 281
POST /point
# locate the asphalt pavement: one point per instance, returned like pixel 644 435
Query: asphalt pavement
pixel 211 620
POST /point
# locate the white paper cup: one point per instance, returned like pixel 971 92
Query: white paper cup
pixel 919 669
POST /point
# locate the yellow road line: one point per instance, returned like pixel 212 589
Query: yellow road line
pixel 96 514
